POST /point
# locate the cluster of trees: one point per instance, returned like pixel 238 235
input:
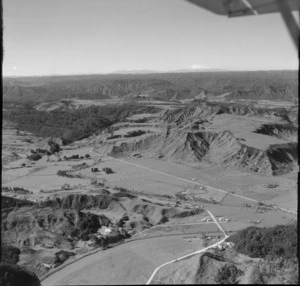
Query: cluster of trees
pixel 141 120
pixel 34 157
pixel 8 202
pixel 16 190
pixel 9 253
pixel 87 225
pixel 273 242
pixel 76 157
pixel 108 170
pixel 124 192
pixel 65 173
pixel 61 256
pixel 54 147
pixel 134 133
pixel 10 273
pixel 104 241
pixel 41 151
pixel 228 274
pixel 80 166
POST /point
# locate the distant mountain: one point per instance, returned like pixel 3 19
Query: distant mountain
pixel 267 85
pixel 138 71
pixel 198 70
pixel 187 70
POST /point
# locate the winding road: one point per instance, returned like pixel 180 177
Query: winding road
pixel 191 254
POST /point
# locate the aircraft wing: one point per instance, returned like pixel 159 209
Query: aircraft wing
pixel 235 8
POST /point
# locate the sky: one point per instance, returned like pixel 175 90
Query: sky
pixel 46 37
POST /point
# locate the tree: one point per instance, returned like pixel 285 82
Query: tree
pixel 14 275
pixel 10 254
pixel 54 147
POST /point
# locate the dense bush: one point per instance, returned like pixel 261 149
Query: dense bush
pixel 61 256
pixel 16 190
pixel 124 195
pixel 10 254
pixel 34 157
pixel 72 125
pixel 135 133
pixel 87 224
pixel 8 202
pixel 228 274
pixel 278 241
pixel 14 275
pixel 65 173
pixel 54 147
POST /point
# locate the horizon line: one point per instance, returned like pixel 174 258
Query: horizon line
pixel 212 70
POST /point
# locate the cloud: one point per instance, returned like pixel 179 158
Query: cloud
pixel 197 67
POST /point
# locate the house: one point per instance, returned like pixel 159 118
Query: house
pixel 229 244
pixel 221 246
pixel 105 230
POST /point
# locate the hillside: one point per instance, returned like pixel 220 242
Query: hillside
pixel 71 124
pixel 218 148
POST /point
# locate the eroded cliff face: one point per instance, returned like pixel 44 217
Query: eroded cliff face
pixel 286 132
pixel 202 111
pixel 218 148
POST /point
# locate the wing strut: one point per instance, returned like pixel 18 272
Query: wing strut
pixel 289 21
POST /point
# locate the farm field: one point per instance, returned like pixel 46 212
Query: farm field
pixel 248 185
pixel 129 263
pixel 166 230
pixel 243 127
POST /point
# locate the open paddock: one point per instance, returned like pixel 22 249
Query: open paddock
pixel 240 216
pixel 167 230
pixel 45 179
pixel 244 127
pixel 129 263
pixel 199 193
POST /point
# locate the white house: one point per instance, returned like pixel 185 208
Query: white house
pixel 104 230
